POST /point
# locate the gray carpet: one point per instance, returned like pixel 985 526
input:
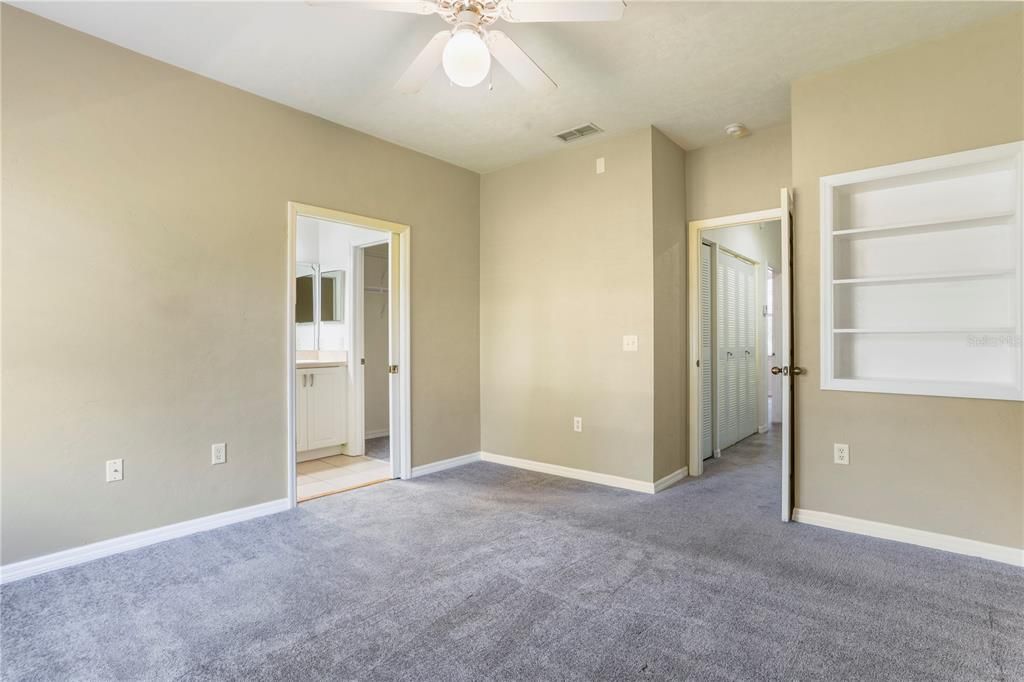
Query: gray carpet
pixel 379 448
pixel 487 572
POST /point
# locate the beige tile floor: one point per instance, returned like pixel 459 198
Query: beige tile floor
pixel 318 477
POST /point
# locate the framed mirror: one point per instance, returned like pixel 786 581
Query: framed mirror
pixel 332 296
pixel 305 306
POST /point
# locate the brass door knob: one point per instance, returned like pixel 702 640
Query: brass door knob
pixel 799 370
pixel 776 370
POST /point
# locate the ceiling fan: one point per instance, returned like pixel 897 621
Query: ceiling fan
pixel 465 50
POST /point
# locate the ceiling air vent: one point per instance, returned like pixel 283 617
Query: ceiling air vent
pixel 577 133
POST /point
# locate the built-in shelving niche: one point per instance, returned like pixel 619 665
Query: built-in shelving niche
pixel 922 283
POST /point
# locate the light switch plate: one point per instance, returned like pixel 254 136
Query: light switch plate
pixel 600 165
pixel 218 453
pixel 577 424
pixel 115 470
pixel 630 343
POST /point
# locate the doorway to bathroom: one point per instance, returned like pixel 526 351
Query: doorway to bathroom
pixel 348 359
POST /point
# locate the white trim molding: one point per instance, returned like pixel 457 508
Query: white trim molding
pixel 443 464
pixel 380 433
pixel 670 480
pixel 554 470
pixel 569 472
pixel 104 548
pixel 913 536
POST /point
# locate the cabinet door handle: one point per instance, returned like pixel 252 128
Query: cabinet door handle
pixel 312 380
pixel 303 380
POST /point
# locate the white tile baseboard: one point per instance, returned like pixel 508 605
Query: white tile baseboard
pixel 124 543
pixel 913 536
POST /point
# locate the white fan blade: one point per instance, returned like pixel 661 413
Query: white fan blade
pixel 518 63
pixel 407 6
pixel 563 10
pixel 424 64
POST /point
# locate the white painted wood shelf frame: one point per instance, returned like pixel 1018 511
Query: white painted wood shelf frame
pixel 922 276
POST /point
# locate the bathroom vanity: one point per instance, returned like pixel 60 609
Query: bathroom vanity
pixel 321 408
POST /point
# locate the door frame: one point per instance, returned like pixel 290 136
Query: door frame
pixel 401 354
pixel 695 229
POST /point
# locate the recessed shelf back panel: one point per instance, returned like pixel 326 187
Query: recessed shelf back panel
pixel 983 303
pixel 990 242
pixel 956 357
pixel 979 189
pixel 922 288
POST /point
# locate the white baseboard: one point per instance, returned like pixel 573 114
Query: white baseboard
pixel 434 467
pixel 98 550
pixel 677 475
pixel 379 433
pixel 913 536
pixel 569 472
pixel 764 428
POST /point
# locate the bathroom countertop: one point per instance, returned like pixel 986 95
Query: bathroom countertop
pixel 314 364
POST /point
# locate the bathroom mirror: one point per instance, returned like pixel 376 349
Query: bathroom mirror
pixel 305 278
pixel 305 306
pixel 332 296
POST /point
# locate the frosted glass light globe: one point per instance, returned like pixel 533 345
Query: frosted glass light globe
pixel 466 59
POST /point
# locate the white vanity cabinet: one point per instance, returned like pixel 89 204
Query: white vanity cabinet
pixel 321 407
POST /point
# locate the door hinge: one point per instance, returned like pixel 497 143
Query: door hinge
pixel 392 369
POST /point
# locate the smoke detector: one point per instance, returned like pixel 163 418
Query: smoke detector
pixel 736 130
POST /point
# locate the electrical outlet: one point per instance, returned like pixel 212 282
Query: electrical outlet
pixel 600 165
pixel 577 424
pixel 630 343
pixel 219 453
pixel 841 453
pixel 115 470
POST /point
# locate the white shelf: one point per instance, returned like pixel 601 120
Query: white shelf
pixel 934 277
pixel 927 226
pixel 922 277
pixel 964 330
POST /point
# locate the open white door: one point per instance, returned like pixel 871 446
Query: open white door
pixel 784 355
pixel 398 383
pixel 356 443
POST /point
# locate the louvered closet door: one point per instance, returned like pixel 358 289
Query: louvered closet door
pixel 747 347
pixel 707 362
pixel 737 361
pixel 728 335
pixel 741 304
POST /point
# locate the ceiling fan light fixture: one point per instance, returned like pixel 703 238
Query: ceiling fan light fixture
pixel 466 59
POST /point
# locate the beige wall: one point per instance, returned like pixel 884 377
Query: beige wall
pixel 375 339
pixel 670 391
pixel 144 228
pixel 938 464
pixel 566 270
pixel 738 176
